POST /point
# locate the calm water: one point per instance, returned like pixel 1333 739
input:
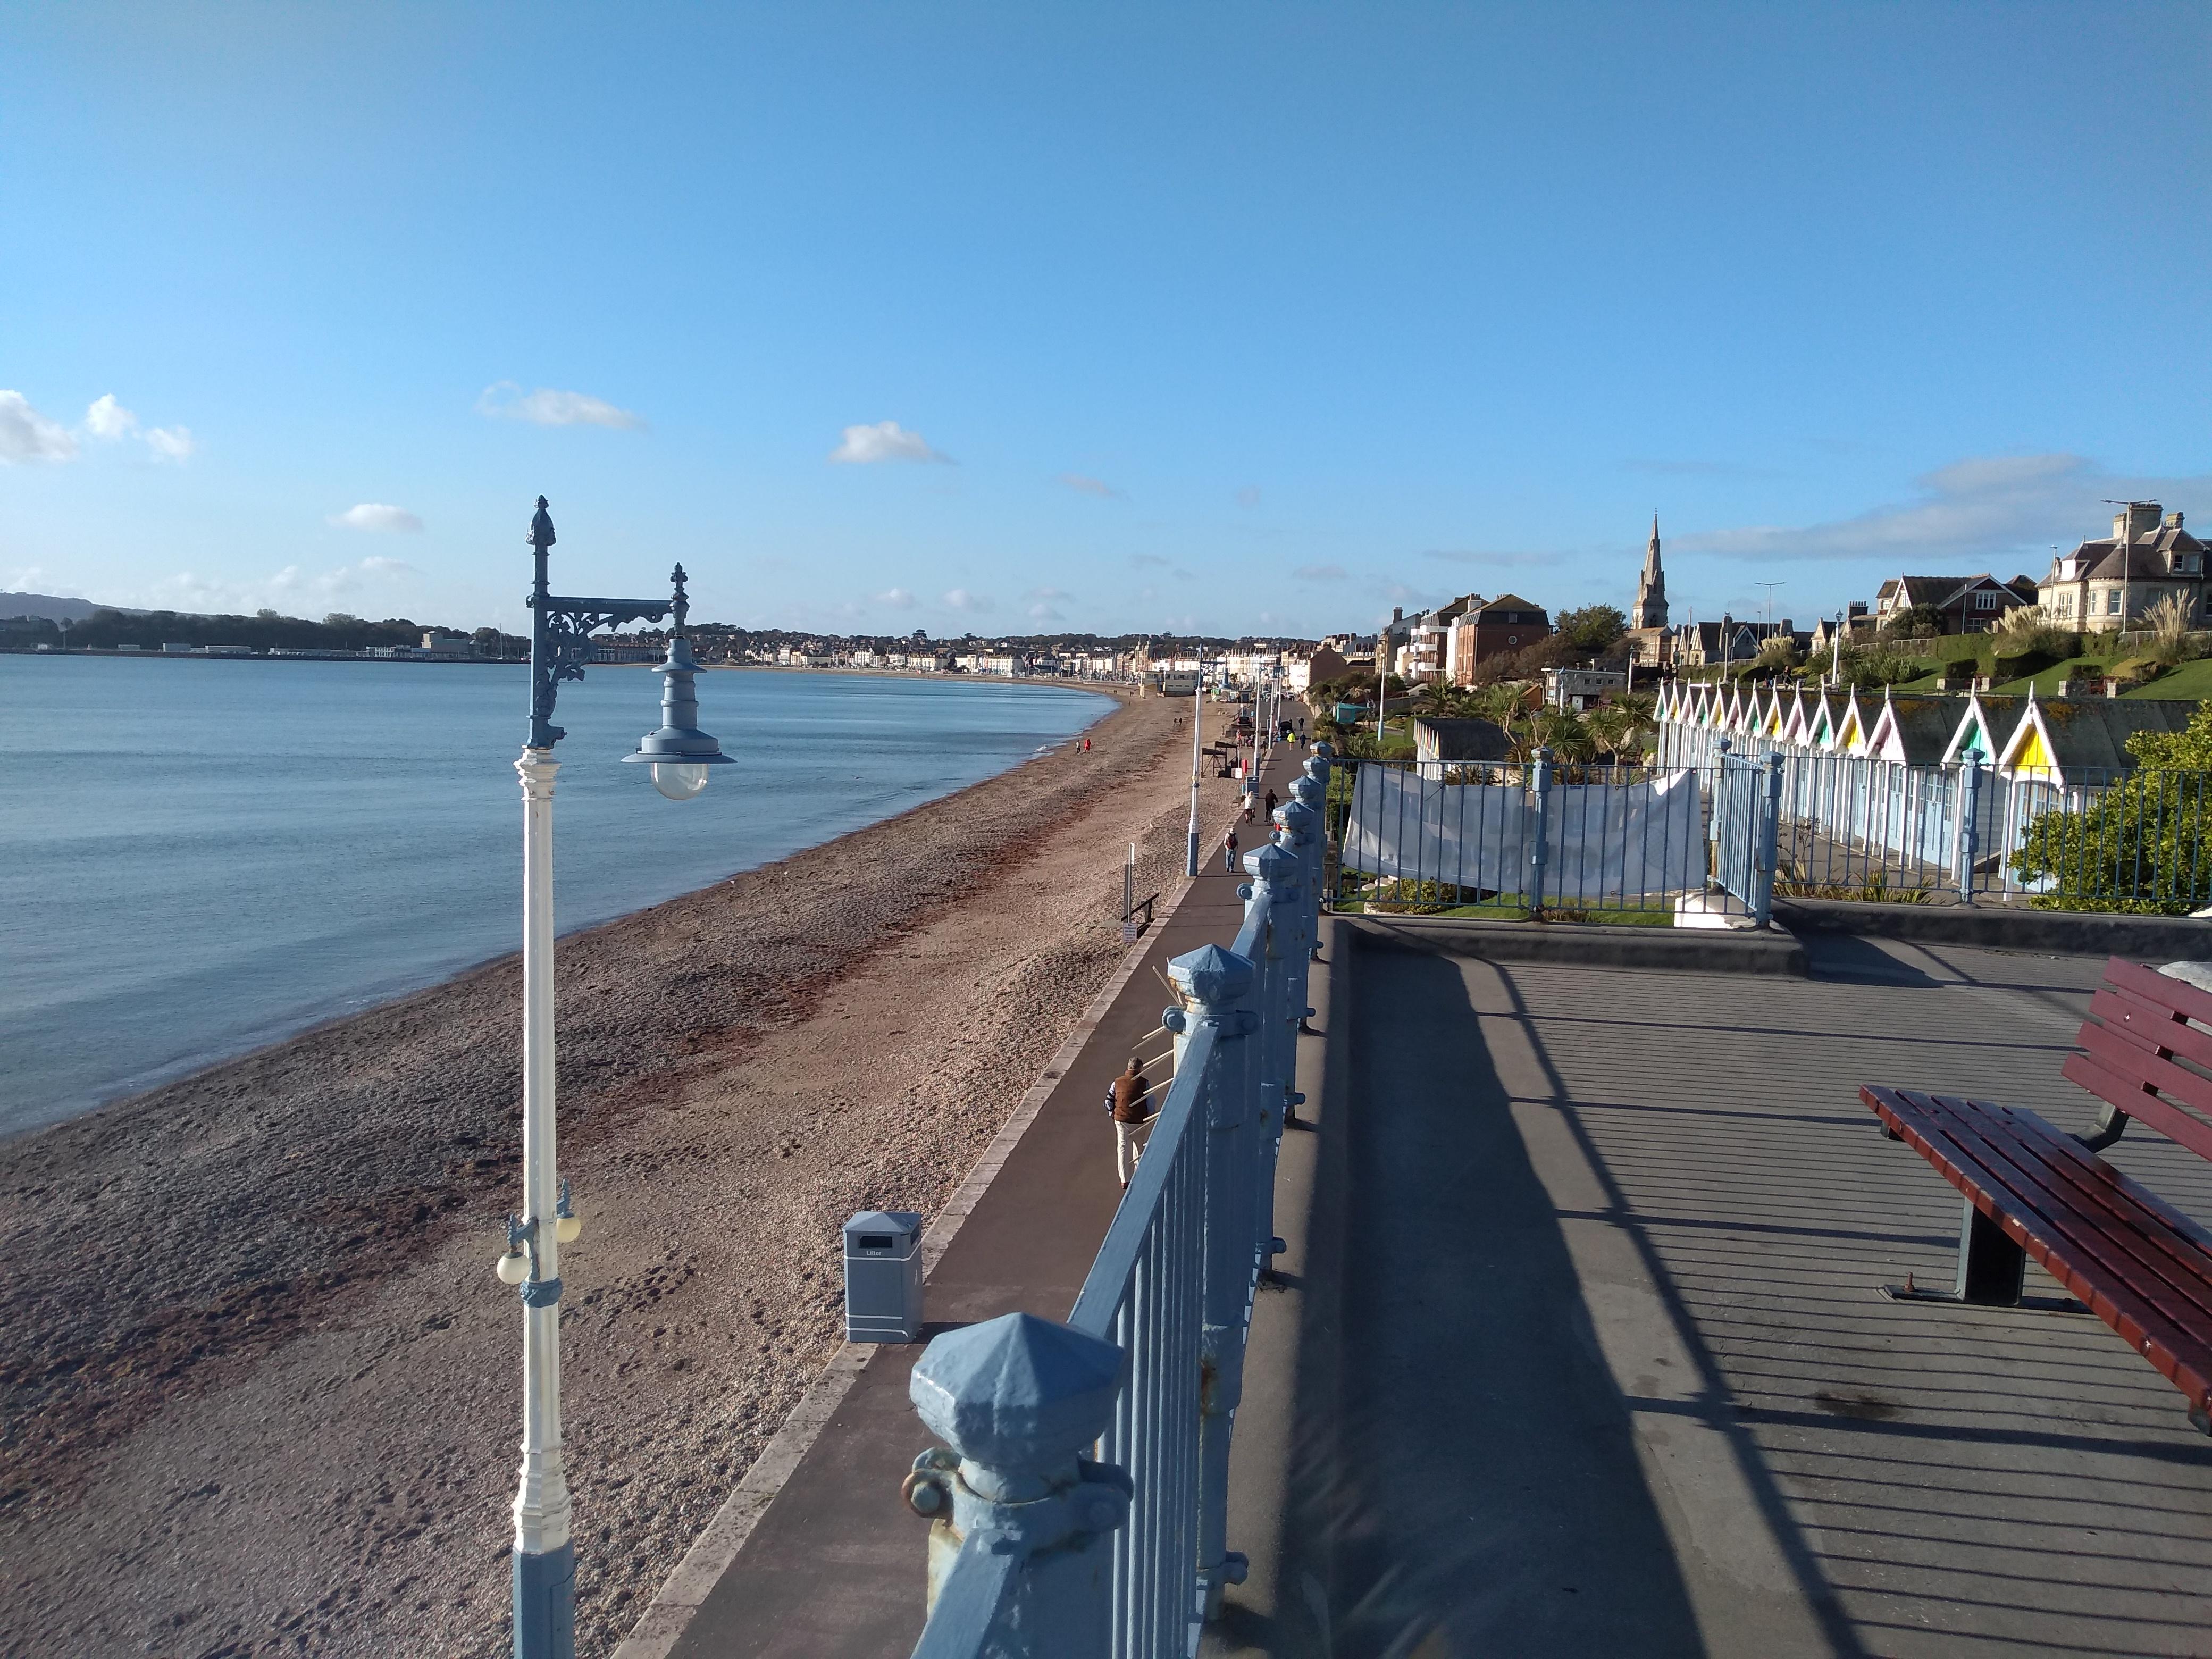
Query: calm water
pixel 198 857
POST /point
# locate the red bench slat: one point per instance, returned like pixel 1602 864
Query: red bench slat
pixel 2089 1258
pixel 2127 1014
pixel 2127 1231
pixel 2174 1110
pixel 2161 989
pixel 2131 1097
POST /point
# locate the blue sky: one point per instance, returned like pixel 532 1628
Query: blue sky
pixel 1232 318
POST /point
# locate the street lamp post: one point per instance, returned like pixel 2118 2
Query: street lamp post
pixel 560 645
pixel 1197 725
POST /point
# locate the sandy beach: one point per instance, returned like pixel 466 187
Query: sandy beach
pixel 260 1387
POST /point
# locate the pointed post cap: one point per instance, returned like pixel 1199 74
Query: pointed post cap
pixel 1017 1394
pixel 541 527
pixel 1294 815
pixel 1210 976
pixel 1310 791
pixel 1273 866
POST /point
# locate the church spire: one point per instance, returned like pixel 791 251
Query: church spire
pixel 1650 610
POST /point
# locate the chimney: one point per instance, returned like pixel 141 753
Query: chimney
pixel 2141 516
pixel 2173 521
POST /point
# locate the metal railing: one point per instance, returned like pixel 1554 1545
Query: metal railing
pixel 1542 837
pixel 1078 1505
pixel 1860 827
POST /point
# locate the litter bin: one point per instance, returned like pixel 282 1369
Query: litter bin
pixel 883 1277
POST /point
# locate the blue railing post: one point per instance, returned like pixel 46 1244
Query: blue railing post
pixel 1010 1497
pixel 1301 829
pixel 1539 834
pixel 1317 770
pixel 1216 987
pixel 1970 835
pixel 1770 844
pixel 1277 898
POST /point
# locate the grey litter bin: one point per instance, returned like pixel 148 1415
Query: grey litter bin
pixel 883 1277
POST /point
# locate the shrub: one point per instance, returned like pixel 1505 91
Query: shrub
pixel 2137 847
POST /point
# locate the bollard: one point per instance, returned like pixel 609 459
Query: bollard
pixel 1216 987
pixel 1020 1562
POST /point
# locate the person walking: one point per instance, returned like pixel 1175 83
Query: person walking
pixel 1129 1102
pixel 1229 852
pixel 1271 806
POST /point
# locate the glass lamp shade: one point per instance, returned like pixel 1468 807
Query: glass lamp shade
pixel 679 779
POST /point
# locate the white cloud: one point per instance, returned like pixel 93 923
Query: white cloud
pixel 506 401
pixel 898 599
pixel 1147 561
pixel 1320 572
pixel 961 599
pixel 189 590
pixel 1083 486
pixel 108 419
pixel 27 435
pixel 378 515
pixel 886 440
pixel 1046 613
pixel 1995 508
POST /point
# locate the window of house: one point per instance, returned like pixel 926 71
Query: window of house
pixel 2066 606
pixel 2112 603
pixel 1985 600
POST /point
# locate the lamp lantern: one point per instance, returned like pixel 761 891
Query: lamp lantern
pixel 679 752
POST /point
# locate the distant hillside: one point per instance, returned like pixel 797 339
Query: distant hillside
pixel 51 607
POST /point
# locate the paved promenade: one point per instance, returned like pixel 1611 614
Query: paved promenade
pixel 1603 1369
pixel 834 1566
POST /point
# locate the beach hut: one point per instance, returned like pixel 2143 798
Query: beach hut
pixel 2070 743
pixel 1849 735
pixel 1792 729
pixel 1777 712
pixel 1982 729
pixel 1908 801
pixel 1820 720
pixel 1913 731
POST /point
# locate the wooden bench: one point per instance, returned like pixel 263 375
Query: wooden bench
pixel 2032 1191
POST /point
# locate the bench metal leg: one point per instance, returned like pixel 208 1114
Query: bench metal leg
pixel 1992 1271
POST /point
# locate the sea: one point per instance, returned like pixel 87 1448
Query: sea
pixel 199 856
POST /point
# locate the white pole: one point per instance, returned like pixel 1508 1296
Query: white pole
pixel 542 1546
pixel 1197 723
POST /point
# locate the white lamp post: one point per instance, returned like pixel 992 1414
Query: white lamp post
pixel 679 753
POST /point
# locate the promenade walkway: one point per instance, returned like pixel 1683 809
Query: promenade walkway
pixel 1591 1359
pixel 833 1568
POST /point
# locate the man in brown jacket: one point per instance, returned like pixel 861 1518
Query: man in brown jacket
pixel 1132 1119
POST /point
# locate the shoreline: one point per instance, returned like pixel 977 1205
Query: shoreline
pixel 717 1104
pixel 403 983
